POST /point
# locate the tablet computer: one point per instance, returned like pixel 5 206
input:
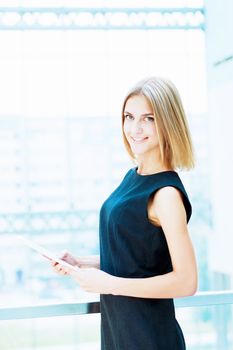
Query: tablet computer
pixel 45 252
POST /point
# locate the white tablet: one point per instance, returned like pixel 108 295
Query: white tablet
pixel 44 252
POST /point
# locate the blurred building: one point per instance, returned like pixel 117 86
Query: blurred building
pixel 63 78
pixel 219 61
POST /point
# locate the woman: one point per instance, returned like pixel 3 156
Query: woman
pixel 146 255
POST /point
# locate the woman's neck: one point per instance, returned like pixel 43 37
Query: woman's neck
pixel 151 169
pixel 151 163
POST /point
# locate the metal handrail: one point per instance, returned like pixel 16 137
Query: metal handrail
pixel 80 308
pixel 48 310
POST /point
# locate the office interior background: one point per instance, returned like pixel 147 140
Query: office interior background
pixel 65 67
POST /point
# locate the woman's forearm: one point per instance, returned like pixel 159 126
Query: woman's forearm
pixel 88 261
pixel 169 285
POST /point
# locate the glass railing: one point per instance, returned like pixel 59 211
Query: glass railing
pixel 206 320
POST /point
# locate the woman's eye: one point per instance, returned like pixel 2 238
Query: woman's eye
pixel 129 117
pixel 149 119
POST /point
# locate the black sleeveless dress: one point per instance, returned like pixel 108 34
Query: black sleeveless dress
pixel 132 247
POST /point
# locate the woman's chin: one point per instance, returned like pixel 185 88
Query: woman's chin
pixel 138 149
pixel 138 153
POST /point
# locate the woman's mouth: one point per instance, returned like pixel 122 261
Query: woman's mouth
pixel 139 140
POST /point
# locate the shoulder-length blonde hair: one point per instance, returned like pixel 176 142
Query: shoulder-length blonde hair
pixel 175 142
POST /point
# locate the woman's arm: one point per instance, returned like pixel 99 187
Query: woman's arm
pixel 88 261
pixel 168 208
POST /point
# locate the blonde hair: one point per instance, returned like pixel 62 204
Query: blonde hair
pixel 175 142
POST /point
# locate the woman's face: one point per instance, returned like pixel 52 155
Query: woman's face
pixel 139 126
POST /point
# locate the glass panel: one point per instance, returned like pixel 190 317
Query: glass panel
pixel 204 328
pixel 207 328
pixel 55 333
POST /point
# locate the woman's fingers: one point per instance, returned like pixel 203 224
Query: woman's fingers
pixel 64 254
pixel 69 258
pixel 58 268
pixel 62 270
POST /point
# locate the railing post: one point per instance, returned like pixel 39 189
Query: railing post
pixel 221 322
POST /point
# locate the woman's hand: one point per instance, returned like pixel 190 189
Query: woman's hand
pixel 67 257
pixel 82 262
pixel 89 279
pixel 94 280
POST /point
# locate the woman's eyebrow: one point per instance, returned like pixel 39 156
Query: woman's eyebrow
pixel 142 115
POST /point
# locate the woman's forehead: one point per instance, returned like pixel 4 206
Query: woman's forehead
pixel 138 104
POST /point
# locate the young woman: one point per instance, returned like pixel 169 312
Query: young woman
pixel 146 255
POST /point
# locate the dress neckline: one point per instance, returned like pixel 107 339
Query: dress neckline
pixel 158 173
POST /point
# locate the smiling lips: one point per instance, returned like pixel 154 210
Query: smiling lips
pixel 137 140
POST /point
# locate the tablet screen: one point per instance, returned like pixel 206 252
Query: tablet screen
pixel 45 252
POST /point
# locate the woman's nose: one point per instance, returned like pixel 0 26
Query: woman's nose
pixel 137 127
